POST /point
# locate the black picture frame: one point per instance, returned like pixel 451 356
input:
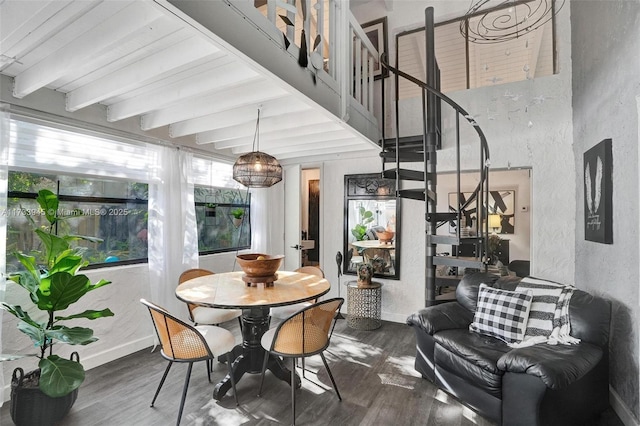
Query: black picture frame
pixel 376 30
pixel 598 189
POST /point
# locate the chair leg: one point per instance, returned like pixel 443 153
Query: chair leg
pixel 184 392
pixel 303 367
pixel 293 391
pixel 233 380
pixel 240 322
pixel 164 376
pixel 209 365
pixel 264 369
pixel 330 375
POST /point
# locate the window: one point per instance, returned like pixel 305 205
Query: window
pixel 115 211
pixel 223 218
pixel 467 65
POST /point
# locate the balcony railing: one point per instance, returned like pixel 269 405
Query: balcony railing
pixel 339 51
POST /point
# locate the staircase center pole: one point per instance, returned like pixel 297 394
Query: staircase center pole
pixel 430 154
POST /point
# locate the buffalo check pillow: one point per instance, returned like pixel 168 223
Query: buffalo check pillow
pixel 502 314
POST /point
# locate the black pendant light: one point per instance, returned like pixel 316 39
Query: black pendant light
pixel 257 169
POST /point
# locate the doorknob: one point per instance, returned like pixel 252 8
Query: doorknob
pixel 297 247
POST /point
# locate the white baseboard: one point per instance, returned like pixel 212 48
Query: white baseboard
pixel 102 358
pixel 621 409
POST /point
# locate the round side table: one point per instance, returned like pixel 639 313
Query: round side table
pixel 364 305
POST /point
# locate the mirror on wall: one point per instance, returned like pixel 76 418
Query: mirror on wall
pixel 371 225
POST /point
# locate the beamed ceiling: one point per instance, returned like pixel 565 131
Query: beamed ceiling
pixel 141 60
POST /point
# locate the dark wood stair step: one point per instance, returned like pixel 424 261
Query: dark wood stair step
pixel 404 174
pixel 463 262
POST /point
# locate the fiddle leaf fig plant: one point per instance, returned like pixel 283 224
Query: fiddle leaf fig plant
pixel 360 229
pixel 54 284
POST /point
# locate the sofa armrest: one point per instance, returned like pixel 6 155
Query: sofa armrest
pixel 441 317
pixel 556 365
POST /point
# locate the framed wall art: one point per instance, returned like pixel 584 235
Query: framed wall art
pixel 598 188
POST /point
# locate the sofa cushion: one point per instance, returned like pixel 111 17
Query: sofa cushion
pixel 471 356
pixel 501 313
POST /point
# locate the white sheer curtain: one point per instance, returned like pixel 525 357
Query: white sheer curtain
pixel 4 178
pixel 173 239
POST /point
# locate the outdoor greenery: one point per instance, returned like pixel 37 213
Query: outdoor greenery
pixel 52 278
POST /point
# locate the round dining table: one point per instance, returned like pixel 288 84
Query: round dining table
pixel 228 291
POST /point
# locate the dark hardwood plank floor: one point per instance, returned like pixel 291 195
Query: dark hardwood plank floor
pixel 373 369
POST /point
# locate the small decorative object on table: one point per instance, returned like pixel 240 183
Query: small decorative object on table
pixel 259 268
pixel 365 273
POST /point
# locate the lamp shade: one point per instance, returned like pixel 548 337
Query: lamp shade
pixel 494 221
pixel 257 170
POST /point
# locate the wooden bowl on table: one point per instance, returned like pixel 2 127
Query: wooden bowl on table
pixel 385 237
pixel 259 268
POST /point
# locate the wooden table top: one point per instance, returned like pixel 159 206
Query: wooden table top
pixel 227 290
pixel 374 244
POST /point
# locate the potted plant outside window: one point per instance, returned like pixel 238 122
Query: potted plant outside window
pixel 54 283
pixel 237 214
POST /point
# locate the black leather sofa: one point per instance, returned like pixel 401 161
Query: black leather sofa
pixel 536 385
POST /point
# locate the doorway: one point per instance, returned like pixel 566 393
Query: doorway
pixel 310 216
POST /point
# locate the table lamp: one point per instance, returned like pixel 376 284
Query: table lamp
pixel 494 222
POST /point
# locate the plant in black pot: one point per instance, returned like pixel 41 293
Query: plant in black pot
pixel 54 283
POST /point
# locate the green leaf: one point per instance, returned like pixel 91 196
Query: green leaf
pixel 71 335
pixel 18 312
pixel 67 261
pixel 59 376
pixel 54 245
pixel 60 290
pixel 88 314
pixel 35 333
pixel 48 202
pixel 29 280
pixel 98 284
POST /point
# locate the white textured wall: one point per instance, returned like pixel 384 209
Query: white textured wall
pixel 606 89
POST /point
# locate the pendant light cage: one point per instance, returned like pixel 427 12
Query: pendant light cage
pixel 257 169
pixel 495 21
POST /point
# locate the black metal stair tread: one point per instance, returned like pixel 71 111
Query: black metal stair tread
pixel 464 262
pixel 453 240
pixel 405 157
pixel 415 194
pixel 404 174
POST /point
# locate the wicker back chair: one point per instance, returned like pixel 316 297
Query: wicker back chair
pixel 306 333
pixel 203 314
pixel 282 312
pixel 183 342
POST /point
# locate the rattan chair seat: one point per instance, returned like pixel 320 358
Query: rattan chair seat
pixel 204 315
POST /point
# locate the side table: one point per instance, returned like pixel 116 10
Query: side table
pixel 364 305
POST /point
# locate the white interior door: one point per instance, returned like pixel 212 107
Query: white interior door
pixel 292 231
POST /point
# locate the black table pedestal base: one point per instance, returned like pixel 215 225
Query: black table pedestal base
pixel 249 356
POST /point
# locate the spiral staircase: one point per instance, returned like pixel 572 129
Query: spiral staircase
pixel 400 151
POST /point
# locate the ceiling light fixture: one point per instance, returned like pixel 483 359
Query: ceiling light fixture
pixel 503 20
pixel 257 169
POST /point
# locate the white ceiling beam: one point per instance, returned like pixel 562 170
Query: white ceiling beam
pixel 289 121
pixel 300 131
pixel 147 40
pixel 235 116
pixel 104 36
pixel 160 64
pixel 300 146
pixel 313 138
pixel 321 151
pixel 253 92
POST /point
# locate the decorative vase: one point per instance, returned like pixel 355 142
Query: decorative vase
pixel 365 273
pixel 32 407
pixel 237 221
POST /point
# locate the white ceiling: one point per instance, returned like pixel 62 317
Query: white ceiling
pixel 140 60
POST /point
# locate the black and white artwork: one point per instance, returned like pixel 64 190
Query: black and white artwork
pixel 598 188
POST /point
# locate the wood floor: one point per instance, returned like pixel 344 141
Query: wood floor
pixel 373 369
